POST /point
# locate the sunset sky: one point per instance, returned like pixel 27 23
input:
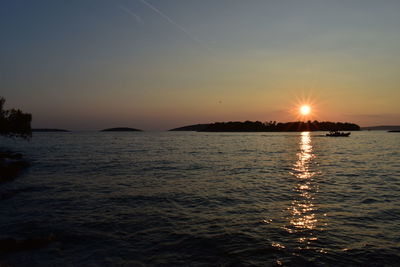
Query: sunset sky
pixel 159 64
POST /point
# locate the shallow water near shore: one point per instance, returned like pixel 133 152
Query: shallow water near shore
pixel 198 199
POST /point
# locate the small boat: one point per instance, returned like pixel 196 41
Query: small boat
pixel 337 134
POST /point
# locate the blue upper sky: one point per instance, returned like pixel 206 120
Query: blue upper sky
pixel 157 64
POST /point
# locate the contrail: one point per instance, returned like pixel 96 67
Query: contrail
pixel 180 27
pixel 133 14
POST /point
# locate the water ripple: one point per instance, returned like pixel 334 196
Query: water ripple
pixel 201 199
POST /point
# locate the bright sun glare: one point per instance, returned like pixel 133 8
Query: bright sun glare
pixel 305 110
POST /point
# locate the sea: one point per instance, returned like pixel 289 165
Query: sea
pixel 204 199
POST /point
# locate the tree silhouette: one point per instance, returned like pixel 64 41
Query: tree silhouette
pixel 14 123
pixel 297 126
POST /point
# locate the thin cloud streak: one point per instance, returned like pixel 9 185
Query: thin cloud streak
pixel 131 13
pixel 172 22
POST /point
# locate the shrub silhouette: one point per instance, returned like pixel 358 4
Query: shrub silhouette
pixel 14 123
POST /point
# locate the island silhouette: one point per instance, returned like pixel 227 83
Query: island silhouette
pixel 271 126
pixel 121 129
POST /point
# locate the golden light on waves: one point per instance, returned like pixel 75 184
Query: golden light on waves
pixel 302 208
pixel 303 221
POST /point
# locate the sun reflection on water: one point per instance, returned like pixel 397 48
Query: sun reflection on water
pixel 302 218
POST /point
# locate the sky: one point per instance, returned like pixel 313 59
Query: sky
pixel 160 64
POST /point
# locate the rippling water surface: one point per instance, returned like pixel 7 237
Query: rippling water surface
pixel 199 199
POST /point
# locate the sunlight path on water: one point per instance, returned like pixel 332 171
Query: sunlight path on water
pixel 303 222
pixel 189 198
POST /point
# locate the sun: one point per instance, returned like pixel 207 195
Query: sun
pixel 305 107
pixel 305 110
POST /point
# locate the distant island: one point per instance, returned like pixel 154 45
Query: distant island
pixel 382 128
pixel 121 129
pixel 195 127
pixel 47 130
pixel 272 126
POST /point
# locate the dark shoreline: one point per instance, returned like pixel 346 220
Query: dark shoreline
pixel 272 126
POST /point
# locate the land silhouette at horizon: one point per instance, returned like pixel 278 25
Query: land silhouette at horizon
pixel 203 127
pixel 271 126
pixel 120 129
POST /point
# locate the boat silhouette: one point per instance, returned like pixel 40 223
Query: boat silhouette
pixel 337 134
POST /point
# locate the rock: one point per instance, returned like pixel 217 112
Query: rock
pixel 9 245
pixel 11 165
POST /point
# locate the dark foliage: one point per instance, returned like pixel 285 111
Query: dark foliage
pixel 298 126
pixel 14 123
